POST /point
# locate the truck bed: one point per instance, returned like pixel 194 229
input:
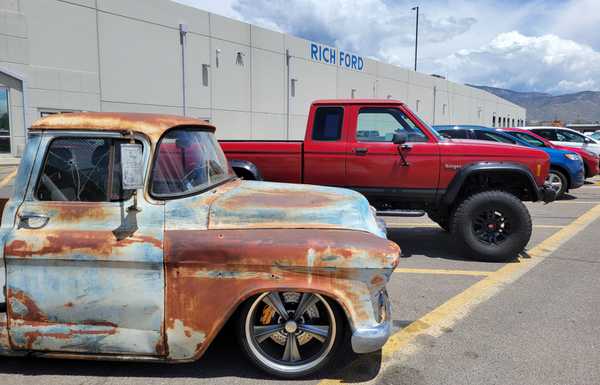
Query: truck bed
pixel 276 160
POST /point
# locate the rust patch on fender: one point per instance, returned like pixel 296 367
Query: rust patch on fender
pixel 337 263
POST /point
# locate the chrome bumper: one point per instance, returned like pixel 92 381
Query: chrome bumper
pixel 370 339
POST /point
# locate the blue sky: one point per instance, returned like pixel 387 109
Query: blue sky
pixel 530 45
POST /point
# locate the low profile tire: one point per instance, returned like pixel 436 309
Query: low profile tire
pixel 558 182
pixel 442 220
pixel 290 334
pixel 492 226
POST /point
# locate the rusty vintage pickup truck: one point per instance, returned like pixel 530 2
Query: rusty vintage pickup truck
pixel 128 237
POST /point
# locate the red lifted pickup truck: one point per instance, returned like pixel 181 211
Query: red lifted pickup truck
pixel 382 149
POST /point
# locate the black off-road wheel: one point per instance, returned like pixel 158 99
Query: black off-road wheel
pixel 492 226
pixel 291 334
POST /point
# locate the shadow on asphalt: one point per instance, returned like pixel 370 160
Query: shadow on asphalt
pixel 222 359
pixel 431 242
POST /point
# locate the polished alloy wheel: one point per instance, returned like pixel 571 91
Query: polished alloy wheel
pixel 491 227
pixel 555 182
pixel 290 332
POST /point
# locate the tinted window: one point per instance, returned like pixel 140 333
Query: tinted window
pixel 482 135
pixel 568 136
pixel 545 133
pixel 328 123
pixel 379 125
pixel 455 134
pixel 77 169
pixel 532 140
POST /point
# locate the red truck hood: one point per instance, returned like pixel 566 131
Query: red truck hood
pixel 465 151
pixel 280 205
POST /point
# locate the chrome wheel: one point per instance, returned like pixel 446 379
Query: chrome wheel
pixel 555 182
pixel 290 332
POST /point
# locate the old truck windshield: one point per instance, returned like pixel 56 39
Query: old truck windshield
pixel 188 160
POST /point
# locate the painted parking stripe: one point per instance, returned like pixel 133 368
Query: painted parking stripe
pixel 446 315
pixel 444 272
pixel 396 225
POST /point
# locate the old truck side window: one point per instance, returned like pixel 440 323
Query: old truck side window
pixel 82 170
pixel 328 123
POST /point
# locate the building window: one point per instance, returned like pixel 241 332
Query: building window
pixel 4 121
pixel 494 121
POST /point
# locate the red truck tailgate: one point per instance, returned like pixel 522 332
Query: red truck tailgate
pixel 278 161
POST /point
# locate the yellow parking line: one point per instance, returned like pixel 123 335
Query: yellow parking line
pixel 444 272
pixel 576 201
pixel 446 315
pixel 7 179
pixel 416 224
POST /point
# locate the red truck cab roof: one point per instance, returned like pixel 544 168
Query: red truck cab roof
pixel 358 101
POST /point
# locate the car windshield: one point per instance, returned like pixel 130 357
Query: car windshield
pixel 527 138
pixel 188 160
pixel 596 135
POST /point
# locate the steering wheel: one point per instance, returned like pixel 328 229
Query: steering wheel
pixel 188 181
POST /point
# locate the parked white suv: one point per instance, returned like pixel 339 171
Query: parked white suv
pixel 563 136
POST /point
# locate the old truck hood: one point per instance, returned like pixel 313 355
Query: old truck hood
pixel 281 205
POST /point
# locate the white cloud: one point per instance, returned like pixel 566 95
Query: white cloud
pixel 556 49
pixel 513 60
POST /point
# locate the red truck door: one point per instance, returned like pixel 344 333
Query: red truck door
pixel 374 165
pixel 325 146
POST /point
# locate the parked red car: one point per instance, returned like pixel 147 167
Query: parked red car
pixel 380 148
pixel 590 160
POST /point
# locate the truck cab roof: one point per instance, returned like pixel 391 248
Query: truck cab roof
pixel 151 125
pixel 357 101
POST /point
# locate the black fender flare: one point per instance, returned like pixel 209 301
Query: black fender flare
pixel 488 167
pixel 246 166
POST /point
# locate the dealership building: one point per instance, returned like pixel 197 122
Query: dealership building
pixel 160 56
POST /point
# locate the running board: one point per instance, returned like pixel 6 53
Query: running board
pixel 97 357
pixel 401 213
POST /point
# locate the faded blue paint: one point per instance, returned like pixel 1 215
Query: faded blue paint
pixel 306 206
pixel 80 284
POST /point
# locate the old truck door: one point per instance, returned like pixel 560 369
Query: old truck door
pixel 84 272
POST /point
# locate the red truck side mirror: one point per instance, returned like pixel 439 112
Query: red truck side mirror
pixel 400 138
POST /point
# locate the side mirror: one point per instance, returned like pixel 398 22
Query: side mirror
pixel 400 137
pixel 132 166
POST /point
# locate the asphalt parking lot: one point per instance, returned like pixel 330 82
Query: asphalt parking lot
pixel 456 321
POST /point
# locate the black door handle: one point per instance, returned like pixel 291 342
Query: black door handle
pixel 361 151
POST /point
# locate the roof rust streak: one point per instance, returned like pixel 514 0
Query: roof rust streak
pixel 151 125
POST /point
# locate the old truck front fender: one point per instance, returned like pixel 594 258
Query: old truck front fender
pixel 210 273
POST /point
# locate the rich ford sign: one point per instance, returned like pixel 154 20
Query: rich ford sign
pixel 334 56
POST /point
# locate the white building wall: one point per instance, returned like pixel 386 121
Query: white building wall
pixel 125 55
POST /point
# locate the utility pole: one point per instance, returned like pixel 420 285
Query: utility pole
pixel 416 34
pixel 183 30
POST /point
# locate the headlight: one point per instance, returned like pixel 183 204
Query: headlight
pixel 573 156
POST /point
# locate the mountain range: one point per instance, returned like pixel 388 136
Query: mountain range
pixel 579 107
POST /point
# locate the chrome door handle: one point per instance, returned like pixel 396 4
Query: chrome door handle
pixel 32 221
pixel 361 151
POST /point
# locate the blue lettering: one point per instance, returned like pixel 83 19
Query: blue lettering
pixel 360 63
pixel 354 58
pixel 332 56
pixel 341 57
pixel 326 55
pixel 313 51
pixel 347 61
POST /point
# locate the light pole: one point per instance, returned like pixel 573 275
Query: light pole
pixel 416 34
